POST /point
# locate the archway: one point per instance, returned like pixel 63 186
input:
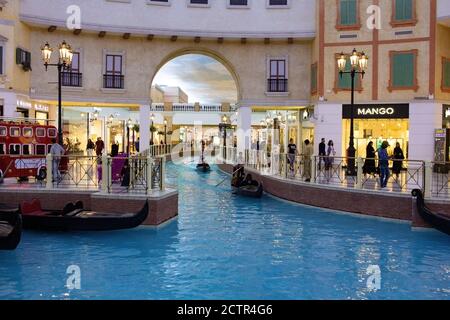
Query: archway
pixel 192 87
pixel 201 52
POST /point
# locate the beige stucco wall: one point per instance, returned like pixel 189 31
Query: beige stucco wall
pixel 386 35
pixel 442 50
pixel 420 30
pixel 423 71
pixel 17 33
pixel 143 58
pixel 156 95
pixel 331 12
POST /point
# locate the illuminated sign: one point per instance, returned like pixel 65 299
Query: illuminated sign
pixel 23 104
pixel 39 107
pixel 376 111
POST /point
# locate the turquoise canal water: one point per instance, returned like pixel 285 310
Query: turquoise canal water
pixel 226 247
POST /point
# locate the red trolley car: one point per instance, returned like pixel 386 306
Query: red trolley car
pixel 23 148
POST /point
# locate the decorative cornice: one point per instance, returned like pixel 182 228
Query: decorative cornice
pixel 120 30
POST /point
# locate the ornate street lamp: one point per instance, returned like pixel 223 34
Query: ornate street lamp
pixel 129 127
pixel 151 129
pixel 359 63
pixel 64 63
pixel 165 132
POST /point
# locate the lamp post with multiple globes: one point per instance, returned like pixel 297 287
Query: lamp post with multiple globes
pixel 64 63
pixel 359 62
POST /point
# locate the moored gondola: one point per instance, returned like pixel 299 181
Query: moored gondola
pixel 437 220
pixel 10 227
pixel 75 218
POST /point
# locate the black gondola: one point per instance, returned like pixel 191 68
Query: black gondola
pixel 203 167
pixel 254 190
pixel 10 227
pixel 74 218
pixel 245 187
pixel 437 220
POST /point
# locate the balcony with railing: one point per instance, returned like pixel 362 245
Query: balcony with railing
pixel 211 108
pixel 113 81
pixel 277 85
pixel 184 107
pixel 158 107
pixel 72 79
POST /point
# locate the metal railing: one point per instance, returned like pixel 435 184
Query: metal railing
pixel 183 107
pixel 72 79
pixel 404 175
pixel 277 85
pixel 133 174
pixel 211 108
pixel 159 107
pixel 439 179
pixel 113 81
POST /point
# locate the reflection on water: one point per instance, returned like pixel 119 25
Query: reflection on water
pixel 227 247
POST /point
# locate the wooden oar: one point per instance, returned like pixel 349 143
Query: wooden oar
pixel 227 177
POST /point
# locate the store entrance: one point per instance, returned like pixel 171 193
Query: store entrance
pixel 377 131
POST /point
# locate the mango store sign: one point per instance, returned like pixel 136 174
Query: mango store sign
pixel 383 111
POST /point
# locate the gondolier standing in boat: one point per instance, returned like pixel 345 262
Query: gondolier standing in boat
pixel 57 151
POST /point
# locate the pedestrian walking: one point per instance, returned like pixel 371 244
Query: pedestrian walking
pixel 57 151
pixel 383 160
pixel 292 153
pixel 90 147
pixel 398 160
pixel 369 164
pixel 99 146
pixel 307 154
pixel 322 153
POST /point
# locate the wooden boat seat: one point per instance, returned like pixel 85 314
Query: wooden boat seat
pixel 5 229
pixel 32 208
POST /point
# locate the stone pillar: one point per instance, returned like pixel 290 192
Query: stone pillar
pixel 244 129
pixel 144 127
pixel 424 118
pixel 9 104
pixel 328 124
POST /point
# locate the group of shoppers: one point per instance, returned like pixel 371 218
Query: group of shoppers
pixel 327 154
pixel 370 167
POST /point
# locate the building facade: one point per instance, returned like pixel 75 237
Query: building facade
pixel 281 54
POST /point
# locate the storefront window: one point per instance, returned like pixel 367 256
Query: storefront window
pixel 377 123
pixel 377 131
pixel 42 118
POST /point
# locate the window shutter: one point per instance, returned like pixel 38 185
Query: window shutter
pixel 351 7
pixel 344 12
pixel 348 12
pixel 403 70
pixel 1 60
pixel 447 74
pixel 345 82
pixel 403 9
pixel 314 78
pixel 18 56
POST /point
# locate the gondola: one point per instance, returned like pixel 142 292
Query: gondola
pixel 10 227
pixel 75 218
pixel 203 167
pixel 246 187
pixel 438 221
pixel 254 190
